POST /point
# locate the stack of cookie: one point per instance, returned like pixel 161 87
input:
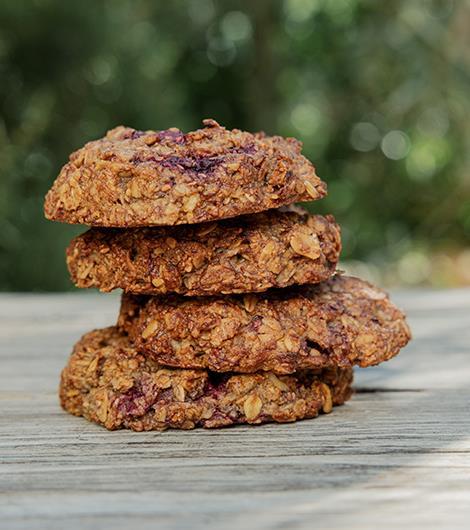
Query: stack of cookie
pixel 232 311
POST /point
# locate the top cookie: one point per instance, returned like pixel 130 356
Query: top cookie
pixel 134 178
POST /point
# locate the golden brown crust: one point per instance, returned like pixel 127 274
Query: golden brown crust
pixel 107 381
pixel 245 254
pixel 132 178
pixel 340 322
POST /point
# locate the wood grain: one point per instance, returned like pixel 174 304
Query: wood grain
pixel 397 454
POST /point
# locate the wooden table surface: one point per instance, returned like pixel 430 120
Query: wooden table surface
pixel 397 454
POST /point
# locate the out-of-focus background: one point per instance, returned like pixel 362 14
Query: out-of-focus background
pixel 379 93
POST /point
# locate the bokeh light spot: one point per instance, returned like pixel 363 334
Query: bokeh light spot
pixel 434 121
pixel 220 51
pixel 101 69
pixel 364 136
pixel 36 164
pixel 300 10
pixel 236 26
pixel 202 11
pixel 426 157
pixel 395 145
pixel 340 10
pixel 306 118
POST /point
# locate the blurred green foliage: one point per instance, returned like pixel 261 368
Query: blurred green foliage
pixel 377 91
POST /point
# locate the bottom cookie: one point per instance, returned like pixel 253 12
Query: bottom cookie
pixel 109 382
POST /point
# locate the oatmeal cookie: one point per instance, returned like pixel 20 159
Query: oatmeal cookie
pixel 341 322
pixel 109 382
pixel 245 254
pixel 134 178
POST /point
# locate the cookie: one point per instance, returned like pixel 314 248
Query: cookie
pixel 245 254
pixel 341 322
pixel 109 382
pixel 134 178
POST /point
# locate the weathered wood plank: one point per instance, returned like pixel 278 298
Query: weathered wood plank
pixel 396 456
